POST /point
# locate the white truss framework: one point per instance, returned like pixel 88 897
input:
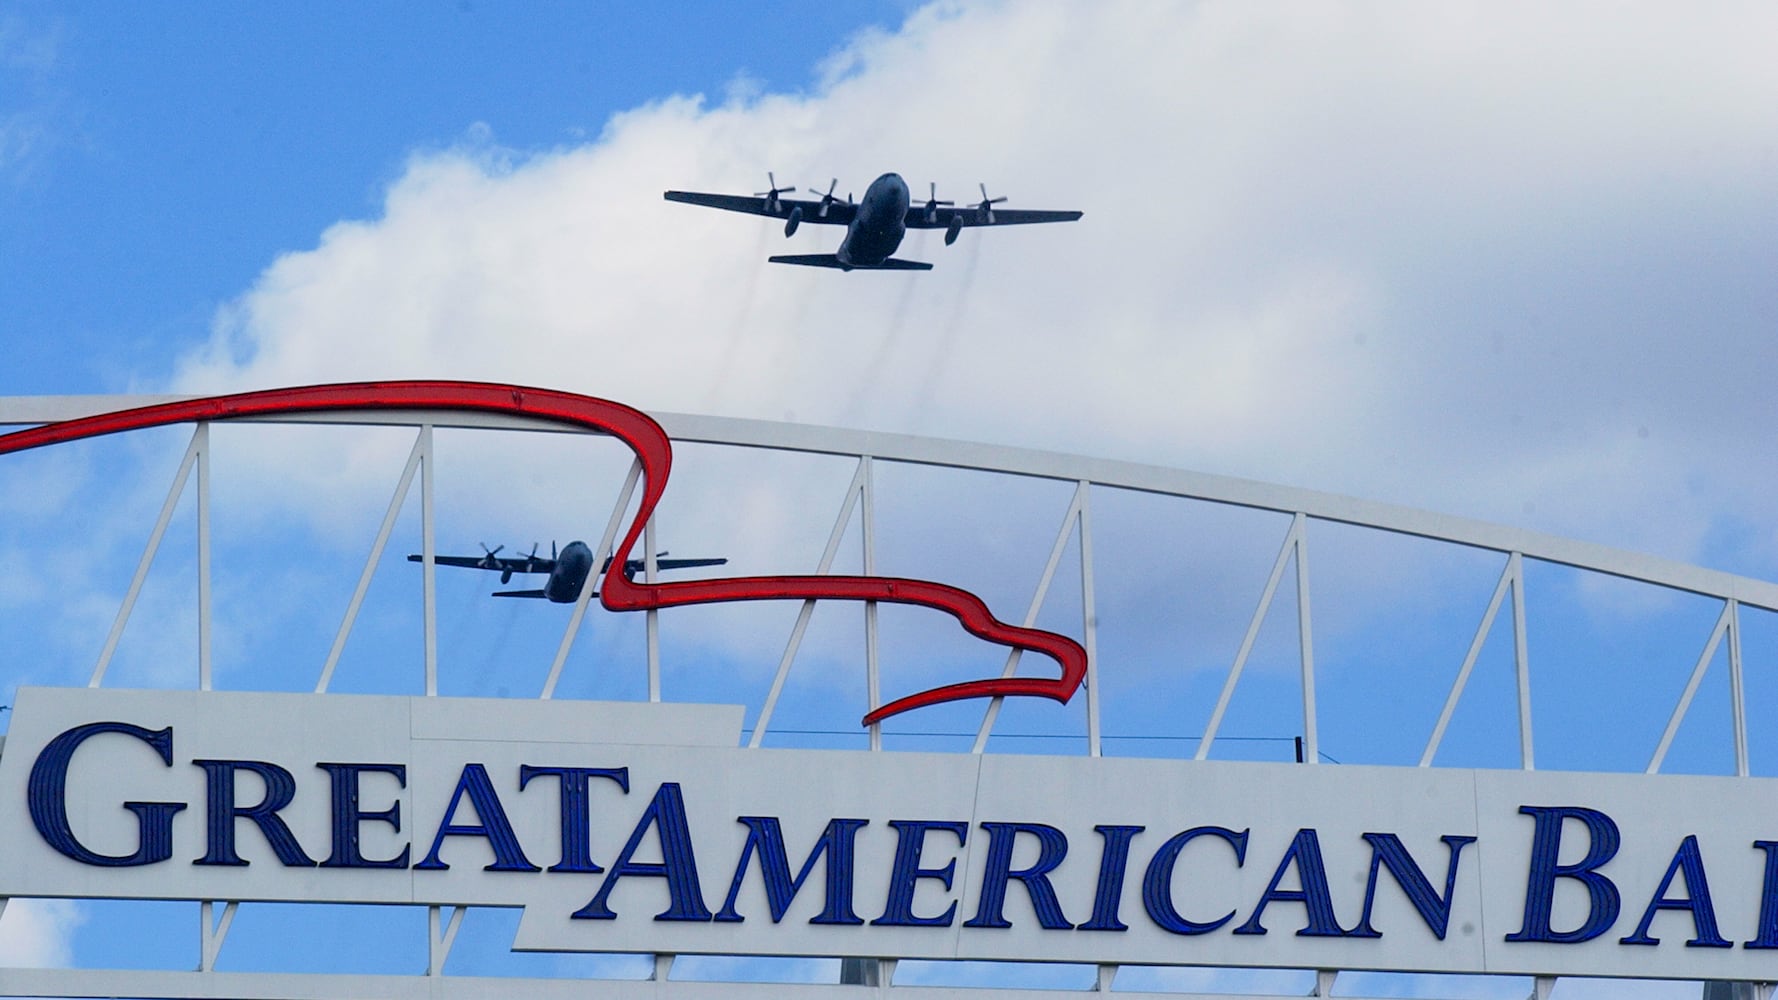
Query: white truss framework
pixel 866 977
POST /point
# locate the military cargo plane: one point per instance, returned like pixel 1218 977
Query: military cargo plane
pixel 567 570
pixel 875 225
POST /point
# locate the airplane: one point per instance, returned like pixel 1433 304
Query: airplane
pixel 567 570
pixel 875 225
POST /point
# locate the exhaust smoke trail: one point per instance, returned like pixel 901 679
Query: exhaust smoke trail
pixel 730 348
pixel 892 334
pixel 936 367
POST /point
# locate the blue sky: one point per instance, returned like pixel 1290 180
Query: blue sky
pixel 236 133
pixel 1513 264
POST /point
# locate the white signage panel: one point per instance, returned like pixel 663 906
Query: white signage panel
pixel 638 827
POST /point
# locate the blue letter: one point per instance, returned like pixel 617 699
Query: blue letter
pixel 347 816
pixel 47 795
pixel 678 865
pixel 1305 851
pixel 1387 852
pixel 1697 900
pixel 494 827
pixel 898 911
pixel 1157 884
pixel 1113 857
pixel 765 836
pixel 1540 881
pixel 222 812
pixel 1768 900
pixel 576 810
pixel 1052 847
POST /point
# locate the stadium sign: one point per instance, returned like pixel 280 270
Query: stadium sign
pixel 642 827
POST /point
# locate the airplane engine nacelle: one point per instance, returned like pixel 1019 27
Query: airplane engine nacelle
pixel 796 219
pixel 953 229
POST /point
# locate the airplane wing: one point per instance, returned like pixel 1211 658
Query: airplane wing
pixel 969 216
pixel 634 566
pixel 836 213
pixel 525 593
pixel 505 565
pixel 688 563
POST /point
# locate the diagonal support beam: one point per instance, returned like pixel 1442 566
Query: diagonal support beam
pixel 1508 578
pixel 1069 519
pixel 214 932
pixel 1723 625
pixel 192 450
pixel 438 945
pixel 370 564
pixel 853 492
pixel 592 578
pixel 1292 542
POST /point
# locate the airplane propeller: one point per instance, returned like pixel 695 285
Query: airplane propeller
pixel 771 194
pixel 932 203
pixel 489 554
pixel 828 198
pixel 985 210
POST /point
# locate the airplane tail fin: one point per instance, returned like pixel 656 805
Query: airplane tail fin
pixel 833 261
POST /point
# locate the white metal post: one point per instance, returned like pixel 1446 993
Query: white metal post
pixel 1089 617
pixel 1522 663
pixel 1737 694
pixel 652 615
pixel 202 438
pixel 867 522
pixel 428 554
pixel 1306 643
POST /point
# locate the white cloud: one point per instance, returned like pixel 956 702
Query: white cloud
pixel 1497 262
pixel 33 114
pixel 35 933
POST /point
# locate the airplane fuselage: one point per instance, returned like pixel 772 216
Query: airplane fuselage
pixel 573 564
pixel 876 231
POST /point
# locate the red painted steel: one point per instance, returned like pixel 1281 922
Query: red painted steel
pixel 655 452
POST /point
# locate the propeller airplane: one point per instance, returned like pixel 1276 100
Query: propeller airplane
pixel 875 225
pixel 568 570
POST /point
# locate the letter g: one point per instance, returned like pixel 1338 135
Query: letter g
pixel 48 795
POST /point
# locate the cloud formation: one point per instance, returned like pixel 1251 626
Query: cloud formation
pixel 36 933
pixel 1503 263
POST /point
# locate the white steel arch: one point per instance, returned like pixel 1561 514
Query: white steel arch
pixel 1082 474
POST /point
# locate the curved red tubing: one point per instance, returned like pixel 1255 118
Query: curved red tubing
pixel 655 452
